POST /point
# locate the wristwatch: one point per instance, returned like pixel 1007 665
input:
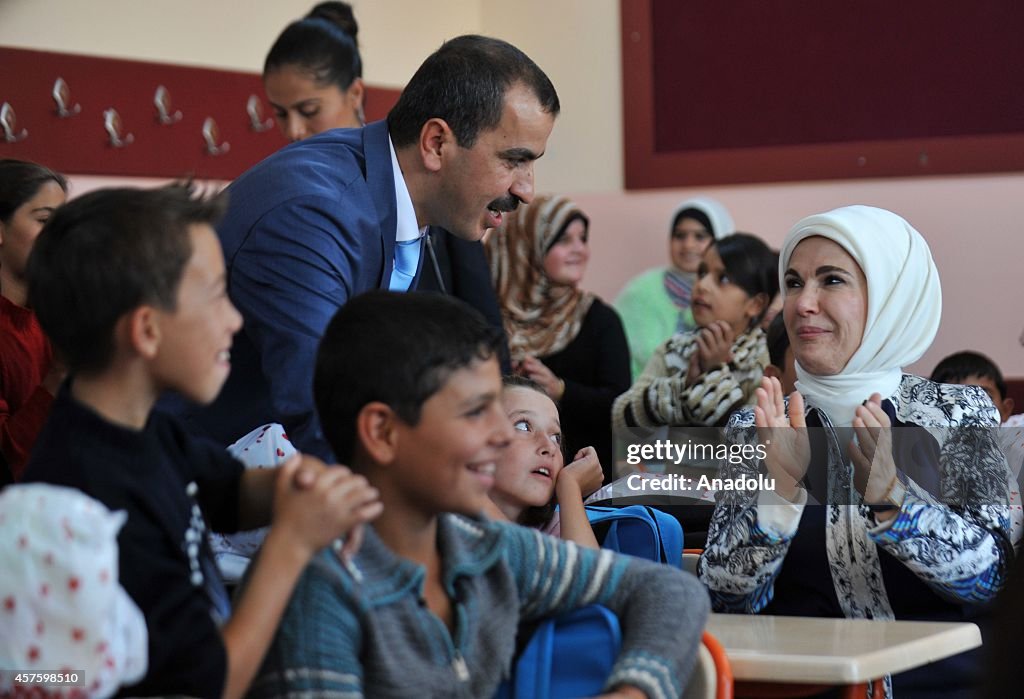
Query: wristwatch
pixel 893 498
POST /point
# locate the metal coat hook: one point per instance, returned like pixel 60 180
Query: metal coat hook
pixel 62 96
pixel 112 123
pixel 254 108
pixel 211 134
pixel 9 122
pixel 162 102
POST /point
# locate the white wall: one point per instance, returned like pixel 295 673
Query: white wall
pixel 394 35
pixel 576 42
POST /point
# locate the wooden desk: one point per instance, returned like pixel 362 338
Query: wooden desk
pixel 828 652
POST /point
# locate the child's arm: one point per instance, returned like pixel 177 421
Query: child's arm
pixel 305 520
pixel 576 481
pixel 256 490
pixel 19 428
pixel 661 609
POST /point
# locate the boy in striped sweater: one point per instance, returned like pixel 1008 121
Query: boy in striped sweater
pixel 408 389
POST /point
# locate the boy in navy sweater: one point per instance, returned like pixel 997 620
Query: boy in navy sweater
pixel 129 285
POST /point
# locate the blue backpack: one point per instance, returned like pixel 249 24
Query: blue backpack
pixel 568 656
pixel 639 531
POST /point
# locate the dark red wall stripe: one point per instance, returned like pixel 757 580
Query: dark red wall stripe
pixel 752 91
pixel 80 145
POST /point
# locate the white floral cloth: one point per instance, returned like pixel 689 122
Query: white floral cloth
pixel 265 447
pixel 61 607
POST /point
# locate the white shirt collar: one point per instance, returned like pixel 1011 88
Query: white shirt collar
pixel 406 213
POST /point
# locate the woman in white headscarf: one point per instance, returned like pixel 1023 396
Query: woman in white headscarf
pixel 889 498
pixel 655 305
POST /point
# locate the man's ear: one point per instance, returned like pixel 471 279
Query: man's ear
pixel 435 137
pixel 377 433
pixel 142 326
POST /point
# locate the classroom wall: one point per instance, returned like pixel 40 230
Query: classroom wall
pixel 972 223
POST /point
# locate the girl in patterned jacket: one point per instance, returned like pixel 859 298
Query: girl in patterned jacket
pixel 697 378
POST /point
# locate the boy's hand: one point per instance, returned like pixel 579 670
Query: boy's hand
pixel 335 503
pixel 585 471
pixel 308 470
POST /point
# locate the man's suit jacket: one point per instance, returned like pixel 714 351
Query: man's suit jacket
pixel 462 271
pixel 307 229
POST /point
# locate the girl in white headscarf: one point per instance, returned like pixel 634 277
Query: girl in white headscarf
pixel 889 498
pixel 655 305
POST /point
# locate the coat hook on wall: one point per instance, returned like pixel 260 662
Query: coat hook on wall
pixel 254 108
pixel 162 102
pixel 112 123
pixel 9 122
pixel 62 96
pixel 211 134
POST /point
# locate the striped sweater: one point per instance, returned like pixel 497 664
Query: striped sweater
pixel 660 396
pixel 364 630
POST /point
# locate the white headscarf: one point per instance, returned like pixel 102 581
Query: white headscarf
pixel 61 605
pixel 904 304
pixel 718 215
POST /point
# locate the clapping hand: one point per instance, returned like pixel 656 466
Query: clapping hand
pixel 714 345
pixel 871 451
pixel 787 446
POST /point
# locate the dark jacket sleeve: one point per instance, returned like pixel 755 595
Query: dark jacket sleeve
pixel 593 401
pixel 464 274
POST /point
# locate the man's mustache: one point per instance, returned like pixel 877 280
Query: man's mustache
pixel 509 203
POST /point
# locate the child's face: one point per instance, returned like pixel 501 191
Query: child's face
pixel 529 467
pixel 18 235
pixel 194 355
pixel 716 297
pixel 447 462
pixel 1003 406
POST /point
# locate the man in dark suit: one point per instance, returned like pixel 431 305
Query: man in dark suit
pixel 337 214
pixel 459 268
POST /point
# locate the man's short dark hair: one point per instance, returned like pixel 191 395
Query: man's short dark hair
pixel 398 349
pixel 464 82
pixel 106 253
pixel 962 365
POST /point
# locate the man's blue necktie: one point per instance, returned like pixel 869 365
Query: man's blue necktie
pixel 407 259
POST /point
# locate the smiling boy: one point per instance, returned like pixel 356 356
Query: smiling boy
pixel 129 285
pixel 408 389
